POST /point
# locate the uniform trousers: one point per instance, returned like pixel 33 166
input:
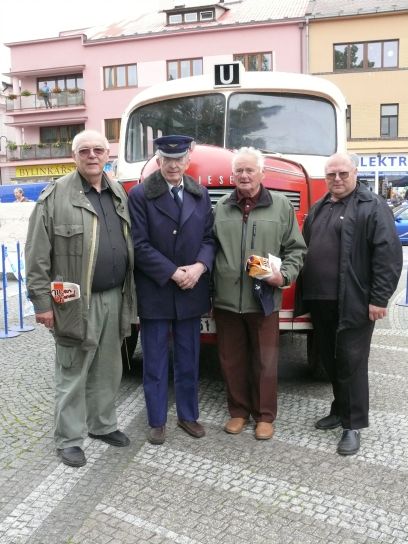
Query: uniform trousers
pixel 87 381
pixel 248 349
pixel 344 355
pixel 186 359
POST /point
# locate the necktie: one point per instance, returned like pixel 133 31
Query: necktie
pixel 177 199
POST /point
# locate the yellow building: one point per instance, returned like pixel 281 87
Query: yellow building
pixel 362 46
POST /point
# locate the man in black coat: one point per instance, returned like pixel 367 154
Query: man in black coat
pixel 352 268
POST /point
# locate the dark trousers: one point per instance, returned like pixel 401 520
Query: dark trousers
pixel 248 349
pixel 186 354
pixel 345 358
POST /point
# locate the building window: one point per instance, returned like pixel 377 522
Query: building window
pixel 63 133
pixel 190 16
pixel 184 68
pixel 112 129
pixel 73 81
pixel 206 15
pixel 366 55
pixel 348 122
pixel 115 77
pixel 389 121
pixel 255 62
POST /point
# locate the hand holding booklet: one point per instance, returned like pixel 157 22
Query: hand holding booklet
pixel 263 267
pixel 63 291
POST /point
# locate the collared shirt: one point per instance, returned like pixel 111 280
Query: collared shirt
pixel 247 203
pixel 112 257
pixel 181 189
pixel 321 268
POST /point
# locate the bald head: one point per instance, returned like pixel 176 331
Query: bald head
pixel 341 175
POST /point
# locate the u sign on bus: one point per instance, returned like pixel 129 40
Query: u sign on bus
pixel 226 75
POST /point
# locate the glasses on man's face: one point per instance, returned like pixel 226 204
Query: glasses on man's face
pixel 86 151
pixel 331 176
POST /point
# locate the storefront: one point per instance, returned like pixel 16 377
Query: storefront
pixel 381 172
pixel 46 172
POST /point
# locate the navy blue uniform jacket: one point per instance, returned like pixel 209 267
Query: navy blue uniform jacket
pixel 162 244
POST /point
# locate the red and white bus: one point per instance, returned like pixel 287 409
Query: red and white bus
pixel 296 120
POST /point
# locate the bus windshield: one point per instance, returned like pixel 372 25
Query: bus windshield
pixel 274 123
pixel 201 117
pixel 288 124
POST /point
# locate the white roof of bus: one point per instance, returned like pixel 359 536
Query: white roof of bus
pixel 249 81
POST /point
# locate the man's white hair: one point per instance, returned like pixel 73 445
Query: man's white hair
pixel 88 135
pixel 260 161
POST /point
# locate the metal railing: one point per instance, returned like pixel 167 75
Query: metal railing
pixel 38 151
pixel 63 99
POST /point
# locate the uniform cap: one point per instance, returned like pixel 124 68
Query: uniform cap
pixel 173 146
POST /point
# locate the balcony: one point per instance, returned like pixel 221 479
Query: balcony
pixel 56 150
pixel 62 99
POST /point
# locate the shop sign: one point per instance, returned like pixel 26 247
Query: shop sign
pixel 44 170
pixel 391 163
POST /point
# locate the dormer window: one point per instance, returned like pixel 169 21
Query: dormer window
pixel 190 16
pixel 206 15
pixel 175 19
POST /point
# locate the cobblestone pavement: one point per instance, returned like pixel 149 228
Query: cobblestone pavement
pixel 222 489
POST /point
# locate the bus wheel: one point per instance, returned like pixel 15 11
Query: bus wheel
pixel 314 360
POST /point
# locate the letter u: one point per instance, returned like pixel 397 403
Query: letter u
pixel 223 79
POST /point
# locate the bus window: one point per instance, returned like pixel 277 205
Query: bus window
pixel 298 125
pixel 201 117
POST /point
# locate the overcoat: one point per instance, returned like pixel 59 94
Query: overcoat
pixel 62 242
pixel 163 240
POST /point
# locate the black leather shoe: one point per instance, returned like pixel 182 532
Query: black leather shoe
pixel 115 438
pixel 349 443
pixel 329 422
pixel 193 428
pixel 73 456
pixel 157 435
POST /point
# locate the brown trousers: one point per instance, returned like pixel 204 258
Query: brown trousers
pixel 248 349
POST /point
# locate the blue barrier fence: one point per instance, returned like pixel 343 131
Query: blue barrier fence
pixel 11 332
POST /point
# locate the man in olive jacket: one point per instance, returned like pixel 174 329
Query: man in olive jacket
pixel 79 233
pixel 254 221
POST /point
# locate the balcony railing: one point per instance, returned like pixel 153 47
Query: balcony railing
pixel 63 99
pixel 39 151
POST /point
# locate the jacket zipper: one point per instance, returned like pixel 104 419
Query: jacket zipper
pixel 241 277
pixel 253 236
pixel 91 257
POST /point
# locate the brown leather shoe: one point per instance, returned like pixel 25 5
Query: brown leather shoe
pixel 157 435
pixel 264 430
pixel 193 428
pixel 235 425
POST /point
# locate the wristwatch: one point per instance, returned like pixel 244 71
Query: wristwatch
pixel 286 281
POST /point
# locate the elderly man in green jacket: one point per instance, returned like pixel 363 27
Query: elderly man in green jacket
pixel 79 263
pixel 252 221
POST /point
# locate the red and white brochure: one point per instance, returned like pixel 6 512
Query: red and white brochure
pixel 63 291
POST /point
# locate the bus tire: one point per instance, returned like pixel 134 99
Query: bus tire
pixel 314 361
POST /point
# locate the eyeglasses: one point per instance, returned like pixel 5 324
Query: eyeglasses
pixel 331 176
pixel 86 151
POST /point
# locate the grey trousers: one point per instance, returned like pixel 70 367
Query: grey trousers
pixel 87 382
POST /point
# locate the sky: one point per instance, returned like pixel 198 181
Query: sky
pixel 29 19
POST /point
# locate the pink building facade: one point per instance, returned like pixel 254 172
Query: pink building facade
pixel 93 75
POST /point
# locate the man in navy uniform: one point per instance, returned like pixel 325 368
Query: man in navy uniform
pixel 174 247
